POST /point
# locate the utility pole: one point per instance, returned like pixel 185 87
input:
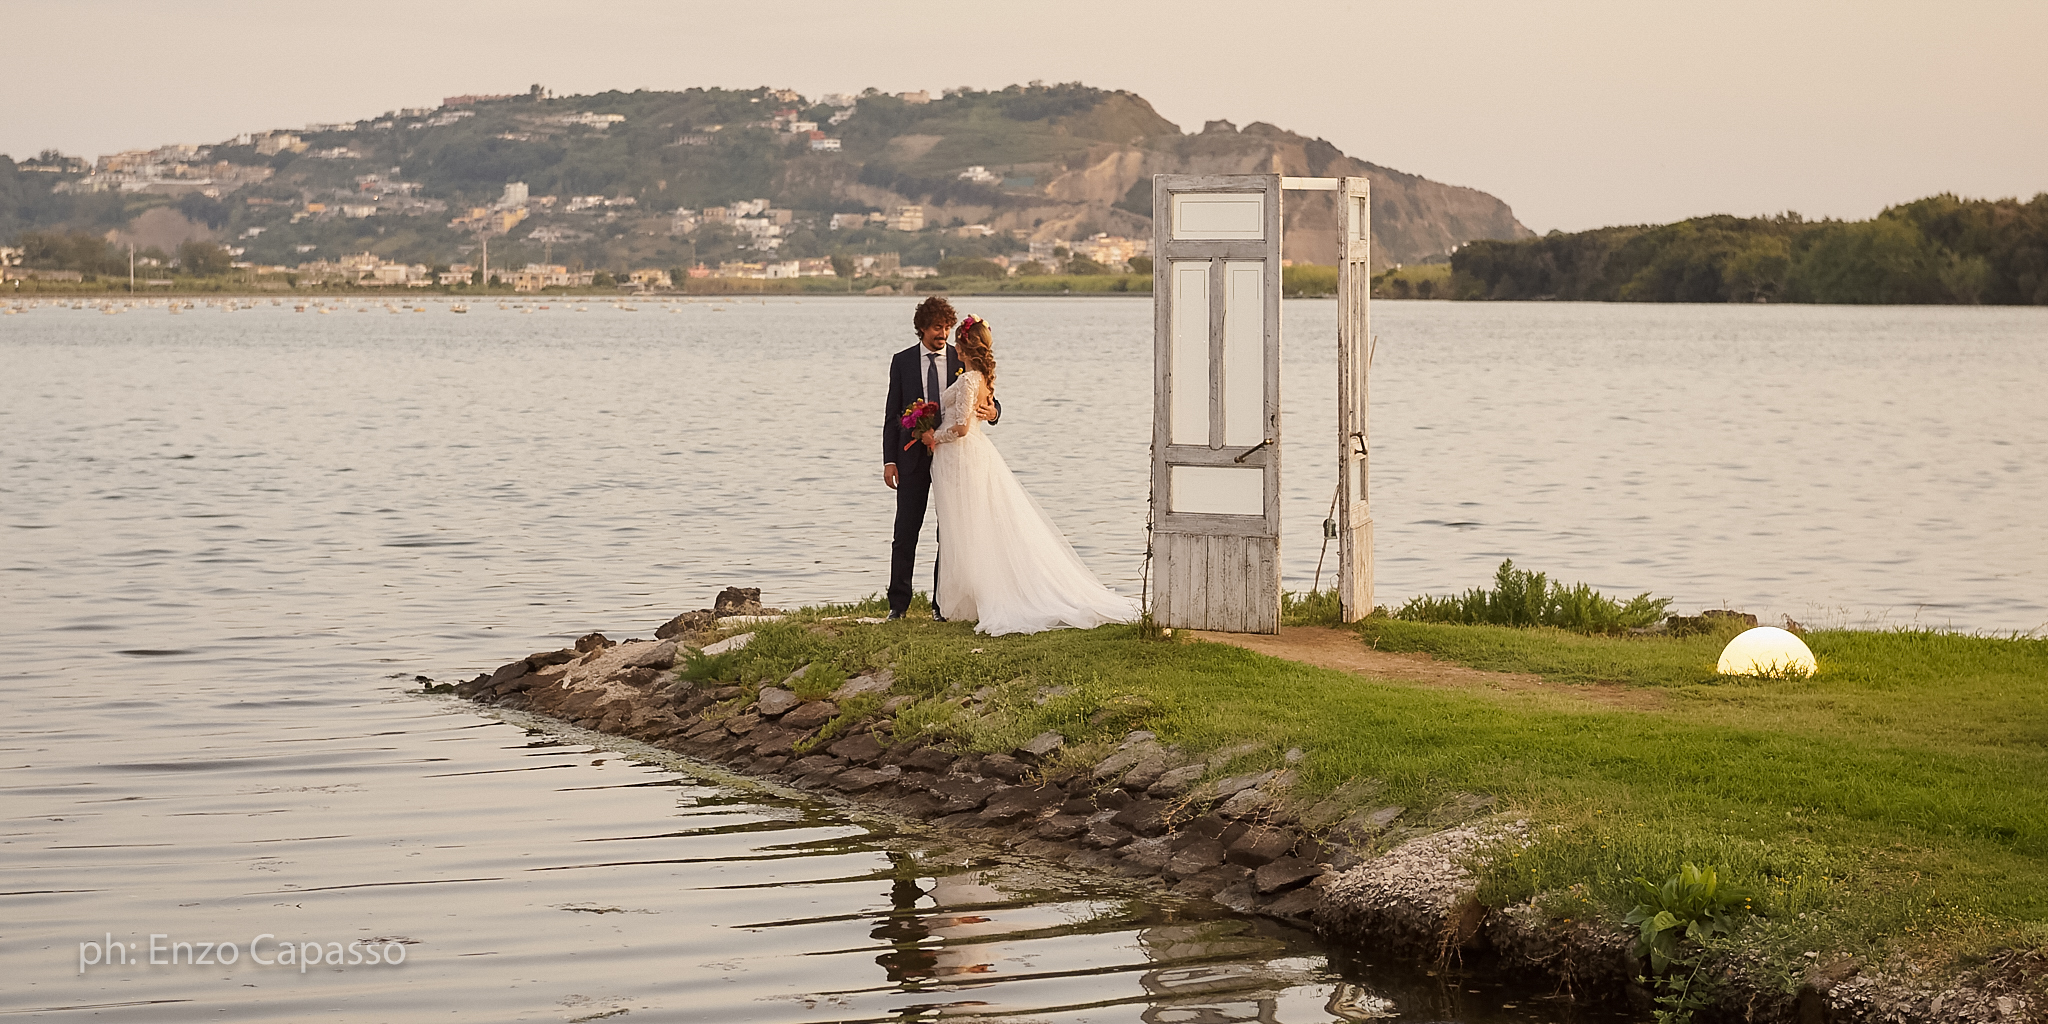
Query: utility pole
pixel 131 268
pixel 487 259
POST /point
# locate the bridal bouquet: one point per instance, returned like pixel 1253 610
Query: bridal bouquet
pixel 918 417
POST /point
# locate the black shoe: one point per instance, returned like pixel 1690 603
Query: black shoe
pixel 893 616
pixel 936 617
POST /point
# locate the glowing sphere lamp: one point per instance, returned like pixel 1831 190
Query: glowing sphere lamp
pixel 1767 651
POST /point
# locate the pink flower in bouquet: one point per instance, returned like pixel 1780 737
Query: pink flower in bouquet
pixel 918 417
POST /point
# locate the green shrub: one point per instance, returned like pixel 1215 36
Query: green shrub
pixel 1522 598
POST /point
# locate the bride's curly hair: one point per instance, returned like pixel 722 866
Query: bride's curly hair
pixel 977 348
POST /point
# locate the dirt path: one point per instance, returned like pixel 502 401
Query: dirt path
pixel 1342 650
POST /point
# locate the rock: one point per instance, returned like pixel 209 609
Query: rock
pixel 508 672
pixel 898 703
pixel 1151 854
pixel 589 642
pixel 1147 771
pixel 740 725
pixel 1284 873
pixel 810 716
pixel 1260 845
pixel 731 643
pixel 1210 882
pixel 660 655
pixel 815 762
pixel 1243 803
pixel 1294 755
pixel 772 740
pixel 858 748
pixel 1176 782
pixel 860 780
pixel 642 677
pixel 1004 767
pixel 546 658
pixel 817 779
pixel 1103 834
pixel 1091 860
pixel 859 685
pixel 958 795
pixel 1041 746
pixel 1196 857
pixel 914 805
pixel 687 622
pixel 737 601
pixel 1226 788
pixel 775 701
pixel 1010 806
pixel 1145 817
pixel 1298 904
pixel 929 759
pixel 1240 897
pixel 1061 827
pixel 1115 765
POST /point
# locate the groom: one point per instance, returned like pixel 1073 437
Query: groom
pixel 918 372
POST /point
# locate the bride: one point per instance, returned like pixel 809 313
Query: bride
pixel 1004 563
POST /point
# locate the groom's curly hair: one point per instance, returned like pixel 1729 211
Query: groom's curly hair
pixel 934 312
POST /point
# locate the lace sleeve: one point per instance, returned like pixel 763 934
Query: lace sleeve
pixel 959 407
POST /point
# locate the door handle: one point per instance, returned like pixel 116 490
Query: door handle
pixel 1248 451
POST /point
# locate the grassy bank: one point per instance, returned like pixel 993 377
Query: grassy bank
pixel 1891 805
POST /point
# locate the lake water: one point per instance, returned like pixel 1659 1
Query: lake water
pixel 230 540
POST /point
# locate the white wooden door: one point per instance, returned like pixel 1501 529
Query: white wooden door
pixel 1354 367
pixel 1216 401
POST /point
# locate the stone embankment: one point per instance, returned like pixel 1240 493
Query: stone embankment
pixel 1145 810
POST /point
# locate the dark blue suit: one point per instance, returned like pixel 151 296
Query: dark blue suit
pixel 913 467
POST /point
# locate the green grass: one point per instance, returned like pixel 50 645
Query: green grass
pixel 1315 608
pixel 1895 798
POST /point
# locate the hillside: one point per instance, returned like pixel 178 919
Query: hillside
pixel 607 171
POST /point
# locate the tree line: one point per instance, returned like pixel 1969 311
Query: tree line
pixel 1941 249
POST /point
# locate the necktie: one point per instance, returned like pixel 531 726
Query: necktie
pixel 931 376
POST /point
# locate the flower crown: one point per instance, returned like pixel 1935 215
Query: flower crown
pixel 966 325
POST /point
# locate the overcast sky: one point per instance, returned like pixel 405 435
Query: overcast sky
pixel 1577 114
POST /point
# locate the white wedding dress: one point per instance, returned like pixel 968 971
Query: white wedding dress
pixel 1001 559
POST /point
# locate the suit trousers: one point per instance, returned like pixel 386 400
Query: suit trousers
pixel 913 495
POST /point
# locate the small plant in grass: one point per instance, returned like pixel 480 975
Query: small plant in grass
pixel 1523 598
pixel 1315 608
pixel 1150 629
pixel 820 678
pixel 699 667
pixel 1693 904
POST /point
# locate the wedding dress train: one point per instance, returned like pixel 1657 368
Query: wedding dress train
pixel 1002 561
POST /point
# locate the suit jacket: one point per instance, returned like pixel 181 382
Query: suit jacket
pixel 906 385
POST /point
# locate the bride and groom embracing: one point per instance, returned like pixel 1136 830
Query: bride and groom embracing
pixel 1002 562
